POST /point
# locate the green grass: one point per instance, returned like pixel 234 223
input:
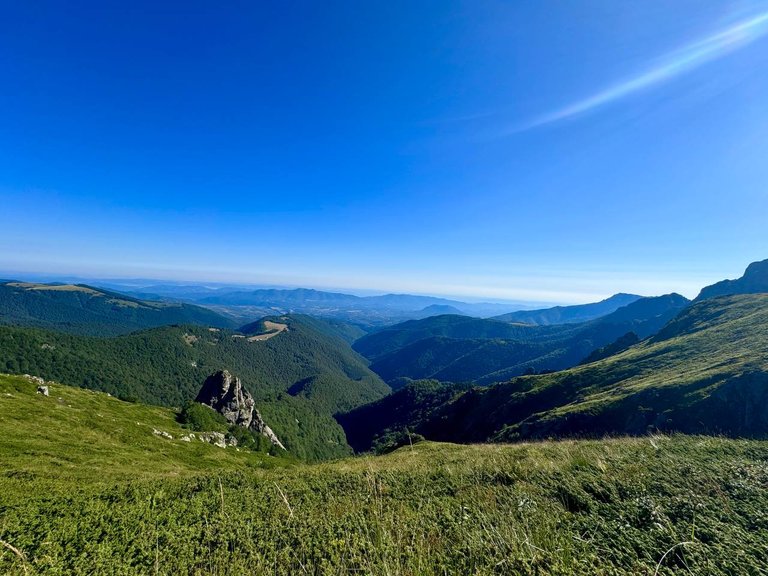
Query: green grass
pixel 81 436
pixel 705 371
pixel 87 488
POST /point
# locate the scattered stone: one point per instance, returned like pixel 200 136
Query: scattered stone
pixel 217 439
pixel 35 379
pixel 43 390
pixel 162 434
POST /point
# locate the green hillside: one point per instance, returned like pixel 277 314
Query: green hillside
pixel 85 310
pixel 84 435
pixel 299 378
pixel 705 372
pixel 455 348
pixel 88 488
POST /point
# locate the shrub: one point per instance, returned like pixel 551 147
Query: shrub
pixel 201 418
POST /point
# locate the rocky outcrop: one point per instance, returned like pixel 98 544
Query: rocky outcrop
pixel 224 393
pixel 42 388
pixel 754 281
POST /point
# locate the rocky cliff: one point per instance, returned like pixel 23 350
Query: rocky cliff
pixel 224 393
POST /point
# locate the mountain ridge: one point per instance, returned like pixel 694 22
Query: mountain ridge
pixel 459 348
pixel 90 311
pixel 753 281
pixel 706 371
pixel 570 314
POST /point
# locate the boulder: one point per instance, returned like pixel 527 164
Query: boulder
pixel 42 390
pixel 216 438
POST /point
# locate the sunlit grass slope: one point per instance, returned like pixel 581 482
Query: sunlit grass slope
pixel 84 436
pixel 87 488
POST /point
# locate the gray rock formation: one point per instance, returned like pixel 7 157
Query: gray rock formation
pixel 225 394
pixel 216 438
pixel 42 390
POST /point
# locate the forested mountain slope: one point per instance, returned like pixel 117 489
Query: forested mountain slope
pixel 82 309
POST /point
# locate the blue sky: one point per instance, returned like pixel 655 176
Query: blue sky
pixel 550 151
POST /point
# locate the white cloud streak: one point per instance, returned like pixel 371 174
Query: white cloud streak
pixel 679 62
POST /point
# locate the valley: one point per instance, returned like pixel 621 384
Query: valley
pixel 294 444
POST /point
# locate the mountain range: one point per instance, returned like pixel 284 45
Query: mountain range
pixel 659 362
pixel 570 314
pixel 457 348
pixel 704 371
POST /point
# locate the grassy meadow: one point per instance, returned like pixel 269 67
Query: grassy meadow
pixel 87 488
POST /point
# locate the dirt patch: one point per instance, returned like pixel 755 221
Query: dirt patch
pixel 274 329
pixel 53 288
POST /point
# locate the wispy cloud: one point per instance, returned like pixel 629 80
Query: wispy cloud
pixel 688 58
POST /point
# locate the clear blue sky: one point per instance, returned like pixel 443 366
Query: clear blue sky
pixel 541 150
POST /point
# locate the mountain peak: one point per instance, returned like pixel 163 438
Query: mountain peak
pixel 754 281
